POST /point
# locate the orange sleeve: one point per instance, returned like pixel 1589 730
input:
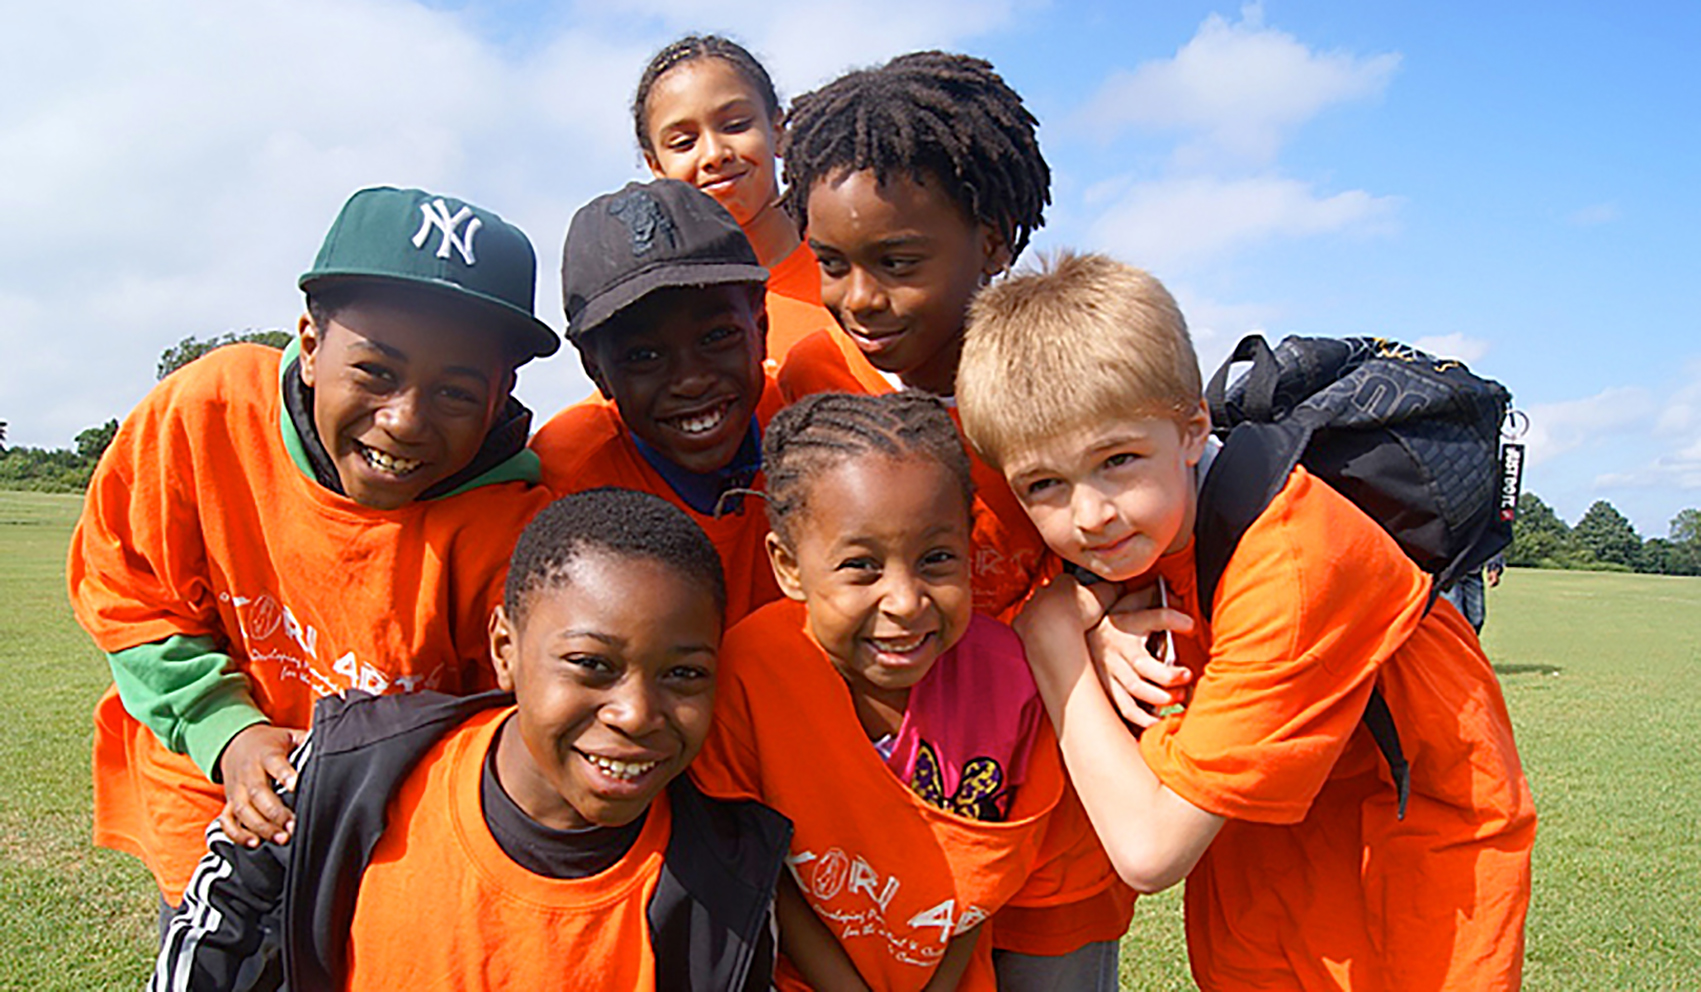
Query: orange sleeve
pixel 137 567
pixel 1315 598
pixel 827 362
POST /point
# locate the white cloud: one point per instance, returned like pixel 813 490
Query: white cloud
pixel 1459 346
pixel 1595 215
pixel 1175 224
pixel 1241 86
pixel 1558 428
pixel 171 167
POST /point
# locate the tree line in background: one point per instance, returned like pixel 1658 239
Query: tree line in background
pixel 62 470
pixel 1602 539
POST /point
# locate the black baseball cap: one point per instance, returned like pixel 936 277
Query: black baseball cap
pixel 414 238
pixel 657 235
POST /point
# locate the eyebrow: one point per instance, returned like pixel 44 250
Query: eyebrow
pixel 388 351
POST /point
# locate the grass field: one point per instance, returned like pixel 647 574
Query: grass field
pixel 1600 672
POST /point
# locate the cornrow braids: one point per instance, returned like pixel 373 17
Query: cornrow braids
pixel 688 49
pixel 924 113
pixel 823 429
pixel 621 522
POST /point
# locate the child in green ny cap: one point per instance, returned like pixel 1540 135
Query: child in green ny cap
pixel 267 529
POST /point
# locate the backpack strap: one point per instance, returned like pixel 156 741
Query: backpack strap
pixel 1252 467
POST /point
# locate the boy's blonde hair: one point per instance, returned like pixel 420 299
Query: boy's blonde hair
pixel 1082 339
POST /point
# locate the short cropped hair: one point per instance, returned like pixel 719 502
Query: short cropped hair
pixel 621 522
pixel 1081 339
pixel 823 429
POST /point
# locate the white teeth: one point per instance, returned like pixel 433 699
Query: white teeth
pixel 388 463
pixel 702 423
pixel 898 645
pixel 621 769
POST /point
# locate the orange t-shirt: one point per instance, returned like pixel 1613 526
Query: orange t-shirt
pixel 1010 556
pixel 1313 883
pixel 892 877
pixel 587 445
pixel 794 304
pixel 198 523
pixel 493 924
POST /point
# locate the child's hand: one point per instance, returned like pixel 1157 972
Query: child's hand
pixel 255 758
pixel 1059 615
pixel 1138 682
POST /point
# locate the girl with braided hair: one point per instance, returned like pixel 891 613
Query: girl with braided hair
pixel 706 113
pixel 916 183
pixel 898 730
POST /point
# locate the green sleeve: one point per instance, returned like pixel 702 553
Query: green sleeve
pixel 186 691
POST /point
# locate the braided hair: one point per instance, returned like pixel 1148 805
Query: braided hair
pixel 688 49
pixel 926 113
pixel 620 522
pixel 823 429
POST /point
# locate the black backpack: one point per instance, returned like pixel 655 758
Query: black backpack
pixel 1412 440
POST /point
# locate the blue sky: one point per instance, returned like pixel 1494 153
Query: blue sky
pixel 1513 184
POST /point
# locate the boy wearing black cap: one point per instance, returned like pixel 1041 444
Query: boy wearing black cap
pixel 664 301
pixel 268 529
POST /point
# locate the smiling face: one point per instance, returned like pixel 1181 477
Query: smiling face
pixel 708 126
pixel 1114 497
pixel 684 366
pixel 405 388
pixel 880 555
pixel 613 669
pixel 899 263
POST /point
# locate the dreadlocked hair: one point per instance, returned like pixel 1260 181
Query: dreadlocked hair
pixel 624 523
pixel 823 429
pixel 926 113
pixel 688 49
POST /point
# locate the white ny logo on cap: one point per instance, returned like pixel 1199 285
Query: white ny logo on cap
pixel 437 215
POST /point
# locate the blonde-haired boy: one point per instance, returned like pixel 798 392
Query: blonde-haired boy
pixel 1080 383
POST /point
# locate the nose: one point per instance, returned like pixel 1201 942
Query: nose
pixel 1090 509
pixel 901 595
pixel 863 292
pixel 403 417
pixel 632 707
pixel 691 378
pixel 716 149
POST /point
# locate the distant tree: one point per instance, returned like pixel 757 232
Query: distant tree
pixel 1667 557
pixel 191 348
pixel 1606 533
pixel 1541 540
pixel 91 444
pixel 1685 527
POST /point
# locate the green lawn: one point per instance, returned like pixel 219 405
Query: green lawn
pixel 1599 669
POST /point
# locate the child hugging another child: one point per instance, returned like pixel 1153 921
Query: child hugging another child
pixel 1303 870
pixel 706 113
pixel 267 529
pixel 665 306
pixel 897 729
pixel 543 835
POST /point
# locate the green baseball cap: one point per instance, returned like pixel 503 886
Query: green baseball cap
pixel 412 237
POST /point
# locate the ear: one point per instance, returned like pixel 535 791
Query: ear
pixel 1195 430
pixel 786 571
pixel 654 164
pixel 995 252
pixel 589 363
pixel 761 308
pixel 311 337
pixel 504 648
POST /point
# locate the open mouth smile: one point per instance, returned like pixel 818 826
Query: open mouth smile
pixel 625 771
pixel 901 651
pixel 702 422
pixel 393 465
